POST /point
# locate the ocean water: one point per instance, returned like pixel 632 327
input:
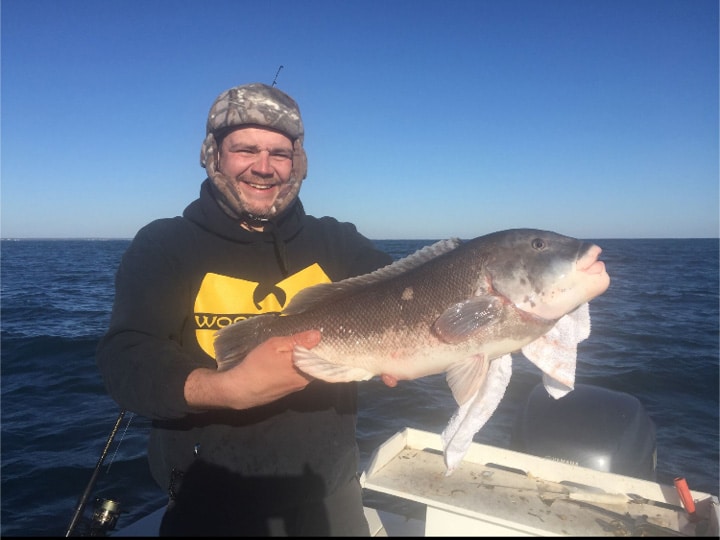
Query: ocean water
pixel 654 335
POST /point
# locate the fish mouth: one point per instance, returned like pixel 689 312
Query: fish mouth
pixel 589 263
pixel 597 279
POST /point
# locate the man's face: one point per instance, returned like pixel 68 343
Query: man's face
pixel 259 163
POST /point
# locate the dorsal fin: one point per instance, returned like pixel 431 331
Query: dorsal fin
pixel 325 292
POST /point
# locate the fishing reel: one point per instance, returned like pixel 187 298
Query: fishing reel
pixel 104 517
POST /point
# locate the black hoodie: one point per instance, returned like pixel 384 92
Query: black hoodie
pixel 180 280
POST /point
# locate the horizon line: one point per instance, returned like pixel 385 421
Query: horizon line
pixel 110 238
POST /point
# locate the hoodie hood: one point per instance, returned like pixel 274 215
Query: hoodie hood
pixel 207 213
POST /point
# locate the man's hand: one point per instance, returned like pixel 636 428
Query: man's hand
pixel 266 374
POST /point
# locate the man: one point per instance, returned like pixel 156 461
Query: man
pixel 260 449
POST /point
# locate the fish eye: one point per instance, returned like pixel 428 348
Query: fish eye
pixel 538 243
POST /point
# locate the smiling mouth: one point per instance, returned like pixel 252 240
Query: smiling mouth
pixel 261 187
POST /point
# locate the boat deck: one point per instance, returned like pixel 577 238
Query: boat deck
pixel 501 492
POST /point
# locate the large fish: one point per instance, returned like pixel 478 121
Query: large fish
pixel 454 307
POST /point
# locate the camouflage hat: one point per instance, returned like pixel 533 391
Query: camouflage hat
pixel 257 104
pixel 254 104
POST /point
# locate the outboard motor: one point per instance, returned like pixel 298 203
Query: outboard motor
pixel 592 427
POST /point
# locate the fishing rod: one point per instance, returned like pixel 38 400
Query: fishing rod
pixel 108 511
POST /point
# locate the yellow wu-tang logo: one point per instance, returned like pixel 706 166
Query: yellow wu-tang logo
pixel 223 300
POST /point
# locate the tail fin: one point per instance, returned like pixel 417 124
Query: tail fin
pixel 234 342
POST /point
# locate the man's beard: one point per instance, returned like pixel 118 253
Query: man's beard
pixel 229 199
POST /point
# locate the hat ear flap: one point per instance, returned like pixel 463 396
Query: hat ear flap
pixel 300 165
pixel 208 154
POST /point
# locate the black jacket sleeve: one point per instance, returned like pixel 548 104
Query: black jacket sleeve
pixel 140 358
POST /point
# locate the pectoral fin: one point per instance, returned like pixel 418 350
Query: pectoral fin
pixel 462 320
pixel 473 414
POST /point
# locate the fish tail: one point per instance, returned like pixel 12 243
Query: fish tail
pixel 234 342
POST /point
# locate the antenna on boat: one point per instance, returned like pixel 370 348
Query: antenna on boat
pixel 276 76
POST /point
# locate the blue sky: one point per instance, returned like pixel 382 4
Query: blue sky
pixel 424 119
